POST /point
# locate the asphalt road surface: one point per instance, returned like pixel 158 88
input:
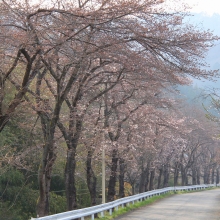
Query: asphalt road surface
pixel 204 205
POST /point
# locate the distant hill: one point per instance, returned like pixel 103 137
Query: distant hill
pixel 194 95
pixel 212 23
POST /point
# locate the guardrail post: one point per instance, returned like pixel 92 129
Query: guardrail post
pixel 92 217
pixel 110 211
pixel 82 218
pixel 102 214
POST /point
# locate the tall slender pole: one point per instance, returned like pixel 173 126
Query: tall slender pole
pixel 103 175
pixel 103 155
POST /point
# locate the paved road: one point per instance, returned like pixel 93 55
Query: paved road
pixel 203 205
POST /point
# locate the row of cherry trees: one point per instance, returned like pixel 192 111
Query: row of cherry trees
pixel 158 147
pixel 100 74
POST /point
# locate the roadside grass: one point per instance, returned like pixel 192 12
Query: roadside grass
pixel 192 191
pixel 130 207
pixel 148 201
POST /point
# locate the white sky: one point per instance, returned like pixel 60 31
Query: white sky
pixel 206 6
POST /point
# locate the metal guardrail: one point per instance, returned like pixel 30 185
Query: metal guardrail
pixel 91 211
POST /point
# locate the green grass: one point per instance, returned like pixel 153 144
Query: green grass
pixel 136 205
pixel 148 201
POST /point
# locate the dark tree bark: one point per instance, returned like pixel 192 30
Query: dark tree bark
pixel 166 175
pixel 198 175
pixel 113 175
pixel 205 178
pixel 71 139
pixel 213 174
pixel 30 72
pixel 132 179
pixel 49 121
pixel 133 189
pixel 152 175
pixel 70 179
pixel 217 176
pixel 121 178
pixel 146 184
pixel 206 175
pixel 159 178
pixel 141 182
pixel 194 176
pixel 48 124
pixel 144 180
pixel 176 173
pixel 183 176
pixel 44 177
pixel 187 180
pixel 91 178
pixel 45 170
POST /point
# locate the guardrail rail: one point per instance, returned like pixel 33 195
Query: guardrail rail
pixel 100 209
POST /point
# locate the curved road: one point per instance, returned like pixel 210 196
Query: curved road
pixel 203 205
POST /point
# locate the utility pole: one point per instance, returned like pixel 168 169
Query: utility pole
pixel 103 154
pixel 103 175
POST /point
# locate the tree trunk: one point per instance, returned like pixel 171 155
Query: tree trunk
pixel 176 173
pixel 146 173
pixel 141 183
pixel 187 180
pixel 194 176
pixel 133 189
pixel 112 179
pixel 206 175
pixel 70 179
pixel 44 178
pixel 144 180
pixel 213 175
pixel 184 179
pixel 217 176
pixel 198 176
pixel 3 121
pixel 159 178
pixel 166 176
pixel 121 178
pixel 47 162
pixel 71 138
pixel 152 175
pixel 91 178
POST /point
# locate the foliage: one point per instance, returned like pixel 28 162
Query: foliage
pixel 18 199
pixel 58 203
